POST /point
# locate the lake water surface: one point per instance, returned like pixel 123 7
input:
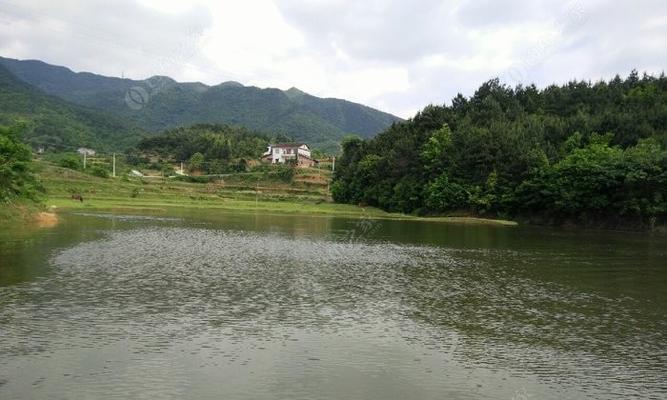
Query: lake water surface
pixel 203 305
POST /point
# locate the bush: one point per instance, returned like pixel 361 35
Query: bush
pixel 99 172
pixel 262 167
pixel 281 173
pixel 444 195
pixel 16 178
pixel 71 162
pixel 195 179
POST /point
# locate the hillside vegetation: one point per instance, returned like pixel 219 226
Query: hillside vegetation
pixel 206 148
pixel 306 193
pixel 17 182
pixel 55 124
pixel 20 190
pixel 581 152
pixel 160 103
pixel 305 189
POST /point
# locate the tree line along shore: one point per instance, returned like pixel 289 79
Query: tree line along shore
pixel 585 154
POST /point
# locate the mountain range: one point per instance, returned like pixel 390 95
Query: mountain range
pixel 159 103
pixel 51 122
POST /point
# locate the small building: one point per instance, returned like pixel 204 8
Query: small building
pixel 282 153
pixel 86 151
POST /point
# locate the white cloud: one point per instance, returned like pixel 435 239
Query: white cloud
pixel 392 54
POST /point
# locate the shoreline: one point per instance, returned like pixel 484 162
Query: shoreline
pixel 29 213
pixel 264 207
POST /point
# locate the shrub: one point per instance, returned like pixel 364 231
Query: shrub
pixel 99 171
pixel 71 162
pixel 444 195
pixel 195 179
pixel 282 173
pixel 16 178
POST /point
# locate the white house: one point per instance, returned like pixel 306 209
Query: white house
pixel 86 151
pixel 280 153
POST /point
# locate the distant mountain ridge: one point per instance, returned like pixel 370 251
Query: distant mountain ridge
pixel 54 123
pixel 160 102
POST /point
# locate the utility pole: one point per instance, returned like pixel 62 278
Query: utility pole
pixel 84 160
pixel 114 165
pixel 333 168
pixel 181 167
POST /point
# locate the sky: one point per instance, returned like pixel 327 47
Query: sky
pixel 394 55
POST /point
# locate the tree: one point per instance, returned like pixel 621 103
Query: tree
pixel 71 162
pixel 579 151
pixel 435 149
pixel 196 162
pixel 221 146
pixel 99 171
pixel 444 195
pixel 16 179
pixel 166 169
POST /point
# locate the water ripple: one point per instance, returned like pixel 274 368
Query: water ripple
pixel 230 297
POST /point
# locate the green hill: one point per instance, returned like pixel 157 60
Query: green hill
pixel 159 103
pixel 54 123
pixel 587 153
pixel 217 149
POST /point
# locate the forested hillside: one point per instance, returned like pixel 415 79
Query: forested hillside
pixel 55 124
pixel 589 153
pixel 160 103
pixel 213 149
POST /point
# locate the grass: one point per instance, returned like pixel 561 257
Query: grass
pixel 307 194
pixel 20 211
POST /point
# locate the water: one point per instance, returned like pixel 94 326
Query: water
pixel 201 306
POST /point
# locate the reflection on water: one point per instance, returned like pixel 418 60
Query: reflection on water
pixel 127 307
pixel 124 217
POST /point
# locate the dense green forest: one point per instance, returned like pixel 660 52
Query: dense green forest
pixel 55 124
pixel 210 148
pixel 16 179
pixel 588 153
pixel 159 103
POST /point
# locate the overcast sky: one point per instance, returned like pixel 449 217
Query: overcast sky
pixel 395 55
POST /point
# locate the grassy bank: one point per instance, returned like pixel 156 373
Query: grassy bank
pixel 20 211
pixel 246 193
